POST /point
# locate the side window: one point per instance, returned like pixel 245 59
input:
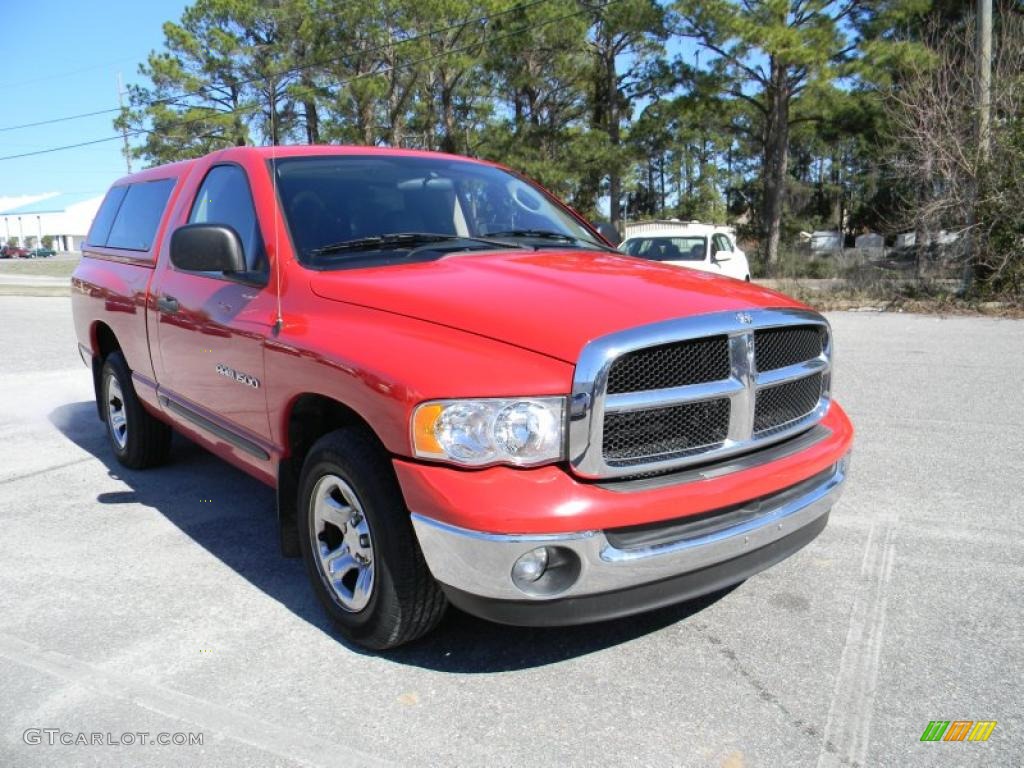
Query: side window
pixel 139 215
pixel 225 198
pixel 100 229
pixel 722 243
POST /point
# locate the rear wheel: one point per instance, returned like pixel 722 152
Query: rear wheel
pixel 138 439
pixel 359 547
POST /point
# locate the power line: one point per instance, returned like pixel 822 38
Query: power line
pixel 59 149
pixel 408 65
pixel 59 119
pixel 67 73
pixel 282 73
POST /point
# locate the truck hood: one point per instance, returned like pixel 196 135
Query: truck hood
pixel 549 301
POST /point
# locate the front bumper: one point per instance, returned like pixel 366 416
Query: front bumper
pixel 625 571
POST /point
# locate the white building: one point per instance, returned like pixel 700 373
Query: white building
pixel 942 237
pixel 869 240
pixel 66 218
pixel 826 240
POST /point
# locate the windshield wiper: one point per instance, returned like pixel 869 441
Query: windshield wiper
pixel 540 234
pixel 546 234
pixel 401 240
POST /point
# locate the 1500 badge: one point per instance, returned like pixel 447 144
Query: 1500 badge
pixel 241 378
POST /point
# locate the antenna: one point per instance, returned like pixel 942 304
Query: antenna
pixel 279 321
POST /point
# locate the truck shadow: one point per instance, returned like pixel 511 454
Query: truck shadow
pixel 232 516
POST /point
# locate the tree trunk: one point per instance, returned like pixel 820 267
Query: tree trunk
pixel 238 127
pixel 366 126
pixel 312 118
pixel 312 122
pixel 614 136
pixel 776 158
pixel 275 128
pixel 448 143
pixel 661 170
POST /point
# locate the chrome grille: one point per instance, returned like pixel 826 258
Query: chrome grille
pixel 636 437
pixel 778 347
pixel 671 365
pixel 664 396
pixel 778 406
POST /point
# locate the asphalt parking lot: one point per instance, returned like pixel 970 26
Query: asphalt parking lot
pixel 157 602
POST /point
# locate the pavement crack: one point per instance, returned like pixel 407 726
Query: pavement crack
pixel 45 471
pixel 764 693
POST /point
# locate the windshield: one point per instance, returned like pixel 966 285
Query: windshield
pixel 690 248
pixel 353 201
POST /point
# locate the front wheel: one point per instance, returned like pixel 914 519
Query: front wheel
pixel 359 547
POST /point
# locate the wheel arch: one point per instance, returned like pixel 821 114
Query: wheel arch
pixel 309 417
pixel 103 341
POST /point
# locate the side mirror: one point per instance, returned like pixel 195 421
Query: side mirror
pixel 721 255
pixel 207 248
pixel 608 232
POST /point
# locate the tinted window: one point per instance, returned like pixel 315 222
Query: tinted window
pixel 224 198
pixel 100 229
pixel 667 248
pixel 139 216
pixel 329 200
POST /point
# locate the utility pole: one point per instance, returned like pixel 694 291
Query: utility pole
pixel 984 75
pixel 124 128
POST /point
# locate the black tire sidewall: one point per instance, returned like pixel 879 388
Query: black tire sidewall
pixel 352 456
pixel 115 367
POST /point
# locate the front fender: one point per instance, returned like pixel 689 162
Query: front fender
pixel 381 365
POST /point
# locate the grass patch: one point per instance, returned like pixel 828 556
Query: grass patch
pixel 51 267
pixel 34 290
pixel 924 297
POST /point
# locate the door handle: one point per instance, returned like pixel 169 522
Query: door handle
pixel 167 304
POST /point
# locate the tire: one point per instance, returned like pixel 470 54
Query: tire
pixel 138 439
pixel 382 595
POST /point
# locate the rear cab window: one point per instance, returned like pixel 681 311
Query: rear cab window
pixel 100 229
pixel 130 215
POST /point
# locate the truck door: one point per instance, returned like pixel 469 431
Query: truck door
pixel 211 327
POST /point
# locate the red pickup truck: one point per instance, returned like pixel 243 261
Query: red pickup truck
pixel 461 393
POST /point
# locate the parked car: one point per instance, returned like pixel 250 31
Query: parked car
pixel 459 391
pixel 42 253
pixel 14 252
pixel 706 247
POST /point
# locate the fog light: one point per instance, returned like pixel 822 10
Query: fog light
pixel 546 571
pixel 530 566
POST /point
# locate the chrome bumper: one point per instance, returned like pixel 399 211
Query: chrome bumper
pixel 480 563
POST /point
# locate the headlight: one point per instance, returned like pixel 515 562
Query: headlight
pixel 521 431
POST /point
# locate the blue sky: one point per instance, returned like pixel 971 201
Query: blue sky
pixel 61 57
pixel 64 60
